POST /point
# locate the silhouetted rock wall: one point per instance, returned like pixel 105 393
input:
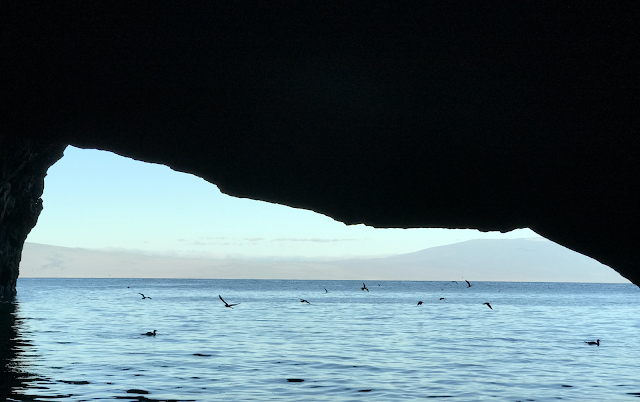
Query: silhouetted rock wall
pixel 23 166
pixel 437 115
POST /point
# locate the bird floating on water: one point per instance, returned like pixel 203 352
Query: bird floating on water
pixel 304 301
pixel 144 297
pixel 150 333
pixel 227 304
pixel 419 303
pixel 364 287
pixel 597 342
pixel 488 305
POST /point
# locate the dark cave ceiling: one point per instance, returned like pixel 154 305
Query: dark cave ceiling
pixel 437 116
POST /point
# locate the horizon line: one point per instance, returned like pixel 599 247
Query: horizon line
pixel 310 280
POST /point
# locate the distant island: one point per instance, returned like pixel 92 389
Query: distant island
pixel 521 260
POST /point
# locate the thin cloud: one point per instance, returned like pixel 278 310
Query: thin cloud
pixel 254 238
pixel 315 240
pixel 200 243
pixel 55 262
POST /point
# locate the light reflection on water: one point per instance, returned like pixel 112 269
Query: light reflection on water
pixel 81 338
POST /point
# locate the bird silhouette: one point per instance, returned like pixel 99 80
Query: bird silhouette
pixel 144 297
pixel 597 342
pixel 488 305
pixel 454 282
pixel 419 303
pixel 304 301
pixel 469 285
pixel 442 298
pixel 150 333
pixel 364 287
pixel 326 291
pixel 227 304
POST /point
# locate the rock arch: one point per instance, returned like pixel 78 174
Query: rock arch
pixel 393 117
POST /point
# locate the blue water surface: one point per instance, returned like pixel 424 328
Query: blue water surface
pixel 80 339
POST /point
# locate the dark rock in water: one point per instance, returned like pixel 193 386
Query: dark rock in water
pixel 295 380
pixel 442 117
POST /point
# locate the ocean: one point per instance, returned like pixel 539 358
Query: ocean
pixel 81 340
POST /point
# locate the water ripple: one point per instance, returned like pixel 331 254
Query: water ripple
pixel 343 347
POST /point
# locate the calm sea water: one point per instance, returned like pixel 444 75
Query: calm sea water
pixel 80 339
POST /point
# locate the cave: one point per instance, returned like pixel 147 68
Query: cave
pixel 394 117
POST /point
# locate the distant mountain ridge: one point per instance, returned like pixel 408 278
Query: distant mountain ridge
pixel 528 260
pixel 523 260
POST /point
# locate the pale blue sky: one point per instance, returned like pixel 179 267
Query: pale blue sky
pixel 96 199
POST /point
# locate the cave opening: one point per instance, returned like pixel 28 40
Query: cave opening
pixel 104 213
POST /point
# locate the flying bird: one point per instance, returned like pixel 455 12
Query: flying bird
pixel 144 297
pixel 442 298
pixel 364 287
pixel 326 291
pixel 304 301
pixel 597 342
pixel 419 303
pixel 227 304
pixel 150 333
pixel 488 305
pixel 469 285
pixel 454 282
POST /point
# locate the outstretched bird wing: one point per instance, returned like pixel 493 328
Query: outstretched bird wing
pixel 222 299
